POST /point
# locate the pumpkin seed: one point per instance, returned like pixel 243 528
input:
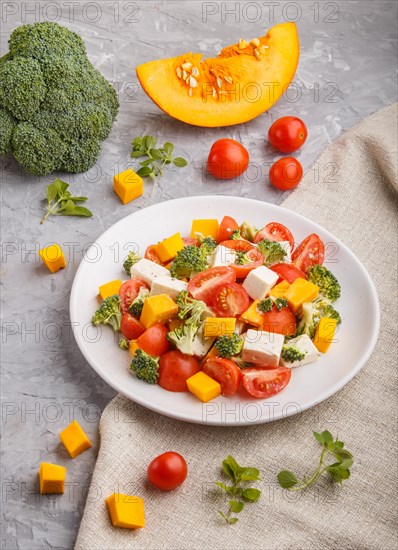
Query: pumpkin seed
pixel 184 75
pixel 179 72
pixel 219 82
pixel 228 79
pixel 186 66
pixel 192 82
pixel 257 54
pixel 190 92
pixel 195 71
pixel 255 42
pixel 213 92
pixel 263 49
pixel 242 44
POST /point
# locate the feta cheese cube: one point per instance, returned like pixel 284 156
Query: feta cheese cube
pixel 259 282
pixel 168 285
pixel 222 256
pixel 148 271
pixel 262 348
pixel 200 344
pixel 304 344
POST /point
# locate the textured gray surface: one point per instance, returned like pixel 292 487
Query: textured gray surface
pixel 346 71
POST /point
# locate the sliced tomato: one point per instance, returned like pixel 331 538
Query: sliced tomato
pixel 227 226
pixel 129 291
pixel 239 245
pixel 130 327
pixel 154 340
pixel 310 251
pixel 150 254
pixel 264 383
pixel 225 372
pixel 282 322
pixel 255 260
pixel 190 241
pixel 202 286
pixel 274 232
pixel 288 272
pixel 230 300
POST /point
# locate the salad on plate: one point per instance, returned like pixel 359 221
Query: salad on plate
pixel 230 308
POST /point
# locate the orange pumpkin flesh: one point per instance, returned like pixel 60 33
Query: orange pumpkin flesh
pixel 244 81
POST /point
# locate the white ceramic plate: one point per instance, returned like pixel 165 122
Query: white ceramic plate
pixel 309 384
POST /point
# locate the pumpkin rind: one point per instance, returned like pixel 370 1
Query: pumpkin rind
pixel 245 80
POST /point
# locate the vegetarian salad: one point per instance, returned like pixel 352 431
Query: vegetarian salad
pixel 228 306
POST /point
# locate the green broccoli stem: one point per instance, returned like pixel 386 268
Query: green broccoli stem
pixel 51 210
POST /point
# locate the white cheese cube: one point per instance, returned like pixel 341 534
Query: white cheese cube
pixel 148 271
pixel 222 256
pixel 288 249
pixel 207 312
pixel 168 285
pixel 200 344
pixel 304 344
pixel 262 348
pixel 259 282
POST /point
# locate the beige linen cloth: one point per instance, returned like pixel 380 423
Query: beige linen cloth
pixel 359 207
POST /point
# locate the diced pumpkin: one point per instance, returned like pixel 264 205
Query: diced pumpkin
pixel 53 257
pixel 109 289
pixel 301 291
pixel 203 387
pixel 279 290
pixel 168 248
pixel 253 316
pixel 218 326
pixel 158 309
pixel 242 82
pixel 126 511
pixel 324 334
pixel 74 439
pixel 208 228
pixel 128 186
pixel 52 478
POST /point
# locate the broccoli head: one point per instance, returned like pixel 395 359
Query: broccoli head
pixel 137 304
pixel 311 314
pixel 229 345
pixel 182 337
pixel 327 282
pixel 56 108
pixel 131 259
pixel 190 309
pixel 248 231
pixel 109 313
pixel 145 367
pixel 188 261
pixel 235 235
pixel 124 344
pixel 272 251
pixel 265 305
pixel 208 245
pixel 292 354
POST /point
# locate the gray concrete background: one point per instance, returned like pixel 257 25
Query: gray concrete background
pixel 347 70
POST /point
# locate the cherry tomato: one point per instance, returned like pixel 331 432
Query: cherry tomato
pixel 281 322
pixel 201 287
pixel 228 159
pixel 167 471
pixel 274 231
pixel 310 251
pixel 287 134
pixel 154 340
pixel 252 254
pixel 225 371
pixel 288 272
pixel 240 245
pixel 130 327
pixel 227 226
pixel 129 291
pixel 150 254
pixel 174 370
pixel 230 300
pixel 286 173
pixel 264 383
pixel 190 241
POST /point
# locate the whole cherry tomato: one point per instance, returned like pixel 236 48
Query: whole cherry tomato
pixel 287 134
pixel 228 159
pixel 286 173
pixel 167 471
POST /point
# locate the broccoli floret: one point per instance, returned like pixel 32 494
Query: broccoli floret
pixel 182 337
pixel 327 282
pixel 138 303
pixel 312 313
pixel 272 251
pixel 292 354
pixel 229 345
pixel 241 258
pixel 240 363
pixel 208 245
pixel 235 235
pixel 190 309
pixel 248 231
pixel 131 259
pixel 265 305
pixel 59 107
pixel 189 260
pixel 124 344
pixel 109 313
pixel 280 303
pixel 145 367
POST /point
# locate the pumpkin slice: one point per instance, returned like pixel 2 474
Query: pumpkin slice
pixel 242 82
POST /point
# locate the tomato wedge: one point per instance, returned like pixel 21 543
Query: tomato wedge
pixel 274 232
pixel 225 371
pixel 154 340
pixel 129 291
pixel 282 322
pixel 252 254
pixel 263 383
pixel 190 241
pixel 240 245
pixel 150 254
pixel 130 327
pixel 202 286
pixel 227 226
pixel 288 272
pixel 310 251
pixel 230 300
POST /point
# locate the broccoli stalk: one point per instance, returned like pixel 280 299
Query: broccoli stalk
pixel 229 345
pixel 188 261
pixel 190 309
pixel 248 231
pixel 272 251
pixel 312 313
pixel 109 313
pixel 137 304
pixel 129 261
pixel 292 354
pixel 235 235
pixel 208 245
pixel 124 344
pixel 182 337
pixel 327 282
pixel 145 367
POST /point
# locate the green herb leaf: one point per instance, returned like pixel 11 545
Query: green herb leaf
pixel 156 154
pixel 168 148
pixel 251 494
pixel 137 154
pixel 287 479
pixel 236 506
pixel 156 158
pixel 80 211
pixel 180 162
pixel 232 521
pixel 249 474
pixel 60 202
pixel 149 142
pixel 227 488
pixel 144 171
pixel 51 192
pixel 231 467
